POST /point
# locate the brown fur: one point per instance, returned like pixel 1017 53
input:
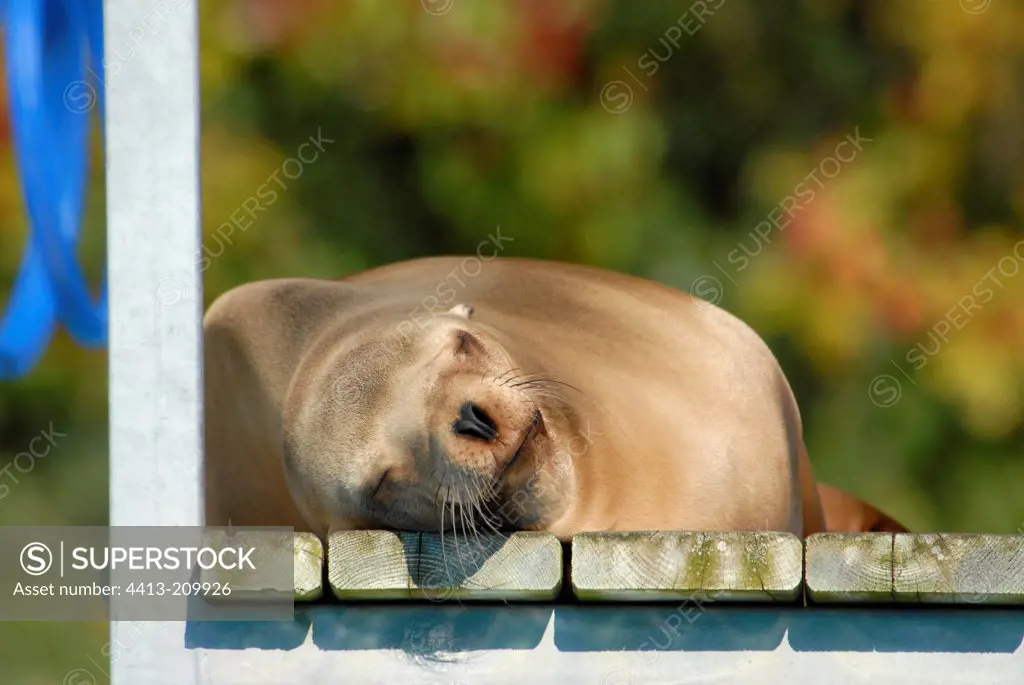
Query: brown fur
pixel 656 411
pixel 846 513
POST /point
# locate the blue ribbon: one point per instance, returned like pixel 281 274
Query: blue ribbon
pixel 52 98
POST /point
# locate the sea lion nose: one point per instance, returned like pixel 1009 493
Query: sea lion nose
pixel 473 422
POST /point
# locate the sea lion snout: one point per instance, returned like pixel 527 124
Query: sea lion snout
pixel 474 422
pixel 460 471
pixel 462 425
pixel 480 427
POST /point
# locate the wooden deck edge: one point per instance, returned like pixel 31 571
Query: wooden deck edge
pixel 918 568
pixel 378 565
pixel 670 566
pixel 279 558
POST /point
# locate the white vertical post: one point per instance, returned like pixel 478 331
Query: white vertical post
pixel 153 227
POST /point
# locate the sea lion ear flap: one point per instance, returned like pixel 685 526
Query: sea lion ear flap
pixel 463 310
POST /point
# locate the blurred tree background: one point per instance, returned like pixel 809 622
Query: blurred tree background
pixel 696 143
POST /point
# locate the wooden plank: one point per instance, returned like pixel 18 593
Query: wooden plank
pixel 934 568
pixel 748 566
pixel 371 564
pixel 308 560
pixel 379 564
pixel 271 576
pixel 849 567
pixel 959 568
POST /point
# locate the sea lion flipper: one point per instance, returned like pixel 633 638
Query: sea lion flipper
pixel 846 513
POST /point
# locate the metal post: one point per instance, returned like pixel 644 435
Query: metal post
pixel 153 224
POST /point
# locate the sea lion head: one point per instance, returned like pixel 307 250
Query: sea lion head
pixel 437 428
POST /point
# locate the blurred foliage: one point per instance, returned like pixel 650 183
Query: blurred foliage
pixel 653 138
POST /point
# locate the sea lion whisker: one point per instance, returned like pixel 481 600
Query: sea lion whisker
pixel 456 541
pixel 485 492
pixel 484 488
pixel 488 517
pixel 524 375
pixel 509 381
pixel 547 380
pixel 444 503
pixel 466 530
pixel 589 397
pixel 480 487
pixel 505 383
pixel 531 387
pixel 544 391
pixel 513 377
pixel 543 384
pixel 492 486
pixel 455 537
pixel 562 401
pixel 497 378
pixel 472 510
pixel 510 370
pixel 530 380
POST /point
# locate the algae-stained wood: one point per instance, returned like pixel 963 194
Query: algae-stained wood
pixel 308 556
pixel 959 568
pixel 848 567
pixel 371 564
pixel 937 568
pixel 650 566
pixel 379 564
pixel 282 562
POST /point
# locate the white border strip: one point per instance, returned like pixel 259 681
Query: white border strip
pixel 155 359
pixel 296 658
